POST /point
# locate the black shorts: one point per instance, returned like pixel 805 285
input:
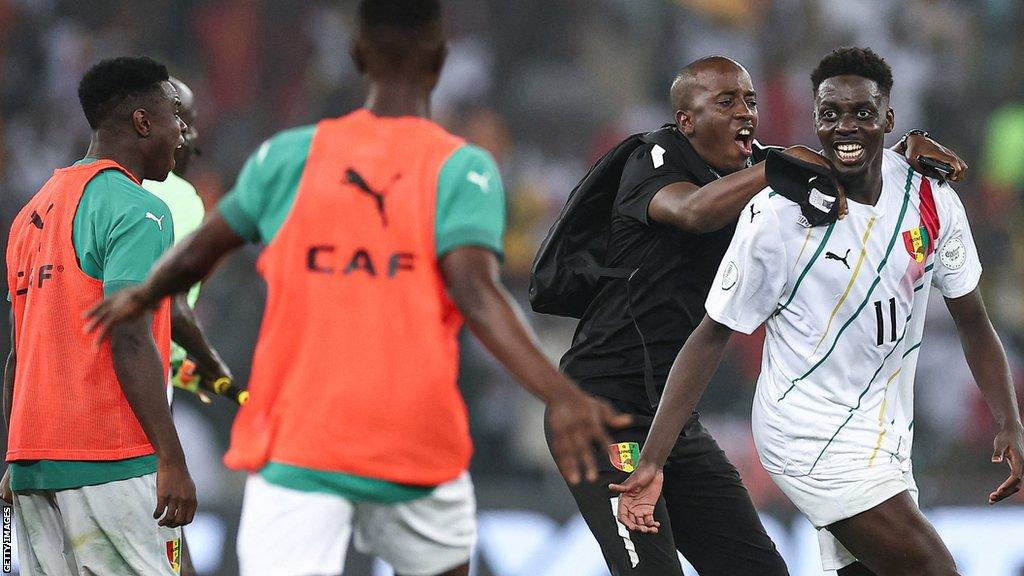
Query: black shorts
pixel 705 513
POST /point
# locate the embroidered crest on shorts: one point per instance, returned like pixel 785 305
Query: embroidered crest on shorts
pixel 174 554
pixel 624 455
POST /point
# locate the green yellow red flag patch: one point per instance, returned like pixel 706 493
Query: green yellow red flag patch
pixel 624 455
pixel 174 554
pixel 917 241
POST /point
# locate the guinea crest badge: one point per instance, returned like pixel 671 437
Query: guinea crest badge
pixel 917 242
pixel 174 554
pixel 624 455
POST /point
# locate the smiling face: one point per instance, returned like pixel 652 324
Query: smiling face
pixel 719 115
pixel 852 117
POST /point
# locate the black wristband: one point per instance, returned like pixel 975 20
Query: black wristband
pixel 902 144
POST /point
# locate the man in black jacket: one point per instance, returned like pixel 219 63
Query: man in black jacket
pixel 673 217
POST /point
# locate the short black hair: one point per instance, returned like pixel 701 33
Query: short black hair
pixel 400 14
pixel 110 86
pixel 861 62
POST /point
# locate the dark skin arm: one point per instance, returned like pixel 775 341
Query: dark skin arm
pixel 140 371
pixel 577 421
pixel 179 268
pixel 187 332
pixel 691 372
pixel 987 360
pixel 699 210
pixel 472 279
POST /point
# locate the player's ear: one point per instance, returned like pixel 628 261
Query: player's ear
pixel 684 121
pixel 141 123
pixel 890 120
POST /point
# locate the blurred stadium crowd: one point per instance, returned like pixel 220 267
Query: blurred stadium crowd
pixel 547 86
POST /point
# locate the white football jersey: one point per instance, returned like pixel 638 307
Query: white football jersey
pixel 844 309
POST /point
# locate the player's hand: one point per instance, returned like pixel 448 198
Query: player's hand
pixel 638 496
pixel 811 157
pixel 175 495
pixel 1008 447
pixel 123 306
pixel 919 145
pixel 578 423
pixel 5 487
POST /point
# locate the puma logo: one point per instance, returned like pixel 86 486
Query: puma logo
pixel 354 178
pixel 752 213
pixel 159 221
pixel 481 180
pixel 831 256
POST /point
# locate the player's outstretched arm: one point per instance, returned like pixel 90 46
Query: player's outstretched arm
pixel 141 375
pixel 691 372
pixel 713 206
pixel 987 360
pixel 914 145
pixel 186 263
pixel 577 421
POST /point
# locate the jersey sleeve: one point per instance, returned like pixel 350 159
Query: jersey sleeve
pixel 140 232
pixel 470 203
pixel 957 266
pixel 262 196
pixel 751 278
pixel 648 169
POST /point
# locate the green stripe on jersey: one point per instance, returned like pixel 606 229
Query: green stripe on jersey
pixel 906 324
pixel 867 297
pixel 821 247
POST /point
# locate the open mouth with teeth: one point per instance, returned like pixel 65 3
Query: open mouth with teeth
pixel 849 152
pixel 745 140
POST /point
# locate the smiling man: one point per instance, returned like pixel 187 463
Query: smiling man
pixel 678 202
pixel 833 414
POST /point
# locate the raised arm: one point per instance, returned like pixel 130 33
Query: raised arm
pixel 182 266
pixel 987 360
pixel 577 420
pixel 702 209
pixel 917 143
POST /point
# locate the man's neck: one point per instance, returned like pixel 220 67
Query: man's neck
pixel 866 187
pixel 106 147
pixel 398 99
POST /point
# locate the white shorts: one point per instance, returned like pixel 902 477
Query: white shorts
pixel 828 498
pixel 286 532
pixel 104 529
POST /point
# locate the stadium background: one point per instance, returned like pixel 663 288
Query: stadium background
pixel 546 86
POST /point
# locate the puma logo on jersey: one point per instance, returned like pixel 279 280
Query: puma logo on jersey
pixel 159 221
pixel 752 213
pixel 832 256
pixel 354 178
pixel 481 180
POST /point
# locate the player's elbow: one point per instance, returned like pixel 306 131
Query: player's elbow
pixel 697 217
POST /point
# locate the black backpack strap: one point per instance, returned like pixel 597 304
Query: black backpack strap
pixel 652 391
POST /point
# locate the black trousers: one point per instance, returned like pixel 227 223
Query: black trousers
pixel 705 513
